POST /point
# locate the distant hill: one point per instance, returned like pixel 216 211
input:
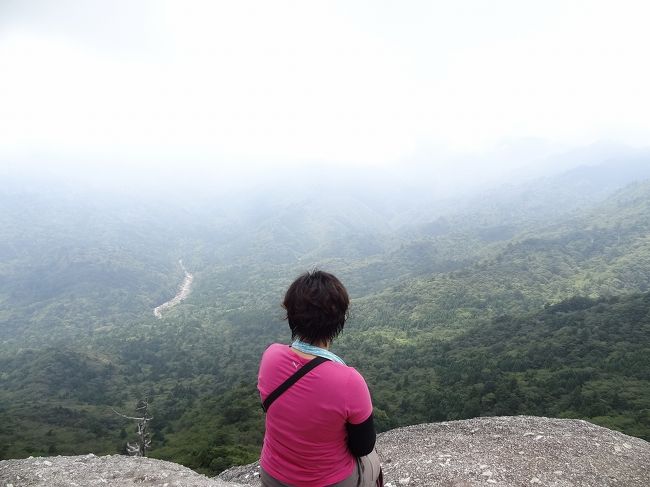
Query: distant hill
pixel 601 251
pixel 530 300
pixel 580 358
pixel 69 265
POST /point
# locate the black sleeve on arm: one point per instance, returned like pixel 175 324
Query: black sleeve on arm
pixel 361 437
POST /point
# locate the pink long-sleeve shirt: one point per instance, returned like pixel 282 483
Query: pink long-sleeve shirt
pixel 305 443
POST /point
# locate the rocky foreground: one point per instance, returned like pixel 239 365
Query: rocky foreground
pixel 506 451
pixel 111 470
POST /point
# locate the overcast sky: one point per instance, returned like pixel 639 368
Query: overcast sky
pixel 362 83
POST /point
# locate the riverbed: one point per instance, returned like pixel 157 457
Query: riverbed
pixel 183 292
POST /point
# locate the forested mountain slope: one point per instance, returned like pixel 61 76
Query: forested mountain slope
pixel 453 235
pixel 602 251
pixel 587 358
pixel 67 266
pixel 453 315
pixel 75 260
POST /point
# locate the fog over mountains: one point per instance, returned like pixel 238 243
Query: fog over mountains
pixel 529 296
pixel 476 173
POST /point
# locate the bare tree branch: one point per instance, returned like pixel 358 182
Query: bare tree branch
pixel 127 417
pixel 140 448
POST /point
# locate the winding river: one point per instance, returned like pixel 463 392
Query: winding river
pixel 183 292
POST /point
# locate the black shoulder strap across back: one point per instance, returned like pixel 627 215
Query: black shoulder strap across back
pixel 315 362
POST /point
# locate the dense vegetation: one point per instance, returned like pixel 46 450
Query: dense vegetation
pixel 531 301
pixel 580 358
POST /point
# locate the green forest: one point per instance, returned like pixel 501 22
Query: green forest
pixel 533 301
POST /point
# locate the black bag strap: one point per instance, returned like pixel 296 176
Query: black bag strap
pixel 313 363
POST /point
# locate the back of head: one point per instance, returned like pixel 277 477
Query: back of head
pixel 316 305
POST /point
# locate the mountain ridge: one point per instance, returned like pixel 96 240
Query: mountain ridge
pixel 419 302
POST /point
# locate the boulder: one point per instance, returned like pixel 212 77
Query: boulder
pixel 506 451
pixel 109 471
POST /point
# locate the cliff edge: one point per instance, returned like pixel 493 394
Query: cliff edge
pixel 506 451
pixel 110 470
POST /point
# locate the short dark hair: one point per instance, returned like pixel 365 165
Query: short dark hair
pixel 317 306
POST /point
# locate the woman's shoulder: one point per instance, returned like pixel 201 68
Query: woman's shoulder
pixel 275 347
pixel 345 375
pixel 280 351
pixel 354 376
pixel 275 350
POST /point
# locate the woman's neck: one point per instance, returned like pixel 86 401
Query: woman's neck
pixel 323 344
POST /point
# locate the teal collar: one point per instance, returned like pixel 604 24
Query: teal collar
pixel 319 352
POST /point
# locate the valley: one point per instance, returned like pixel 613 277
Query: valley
pixel 534 300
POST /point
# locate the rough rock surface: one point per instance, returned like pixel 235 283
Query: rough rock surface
pixel 508 451
pixel 111 470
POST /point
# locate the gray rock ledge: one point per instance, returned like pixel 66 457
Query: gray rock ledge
pixel 506 451
pixel 108 471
